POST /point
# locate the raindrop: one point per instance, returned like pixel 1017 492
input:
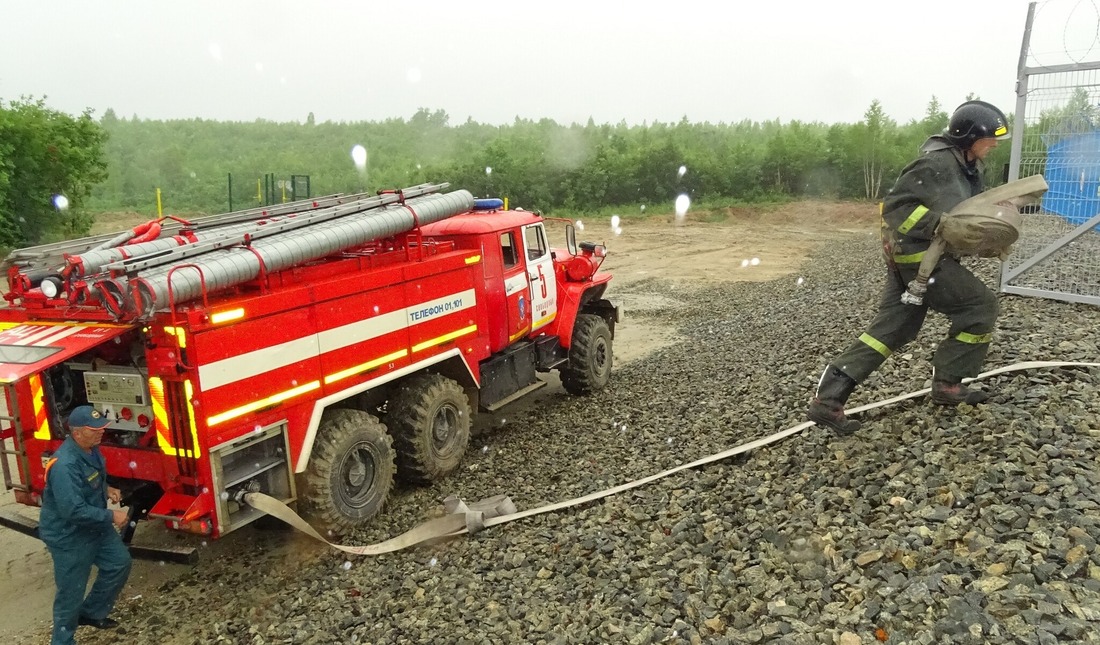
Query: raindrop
pixel 643 208
pixel 799 281
pixel 161 563
pixel 579 225
pixel 433 562
pixel 615 220
pixel 224 495
pixel 624 427
pixel 681 171
pixel 193 175
pixel 294 382
pixel 359 156
pixel 931 281
pixel 488 170
pixel 204 543
pixel 133 465
pixel 205 490
pixel 171 354
pixel 683 202
pixel 347 565
pixel 133 524
pixel 669 441
pixel 375 308
pixel 257 429
pixel 484 449
pixel 744 263
pixel 618 230
pixel 60 202
pixel 754 261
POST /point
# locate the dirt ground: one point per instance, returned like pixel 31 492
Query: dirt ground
pixel 739 244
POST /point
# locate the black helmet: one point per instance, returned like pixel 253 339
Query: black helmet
pixel 975 120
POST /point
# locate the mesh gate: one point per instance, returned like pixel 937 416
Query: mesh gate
pixel 1057 134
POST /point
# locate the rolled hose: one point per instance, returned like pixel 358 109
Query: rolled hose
pixel 986 225
pixel 499 510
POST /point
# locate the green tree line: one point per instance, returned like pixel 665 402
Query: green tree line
pixel 537 164
pixel 118 164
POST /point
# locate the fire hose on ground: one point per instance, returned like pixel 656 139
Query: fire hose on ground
pixel 462 518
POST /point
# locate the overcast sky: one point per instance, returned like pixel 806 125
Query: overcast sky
pixel 642 61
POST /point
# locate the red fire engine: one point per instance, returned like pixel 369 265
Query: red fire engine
pixel 311 351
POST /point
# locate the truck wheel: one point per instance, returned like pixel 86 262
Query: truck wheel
pixel 350 471
pixel 430 420
pixel 589 366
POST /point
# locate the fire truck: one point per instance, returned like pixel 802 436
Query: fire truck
pixel 313 351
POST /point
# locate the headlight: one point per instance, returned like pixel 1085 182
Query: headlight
pixel 51 287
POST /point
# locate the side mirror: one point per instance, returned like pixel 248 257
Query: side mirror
pixel 571 239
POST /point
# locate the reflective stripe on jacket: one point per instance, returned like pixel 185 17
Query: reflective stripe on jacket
pixel 934 183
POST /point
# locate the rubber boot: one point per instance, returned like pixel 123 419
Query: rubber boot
pixel 827 408
pixel 951 391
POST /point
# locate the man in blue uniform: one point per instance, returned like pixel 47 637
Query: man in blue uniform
pixel 80 530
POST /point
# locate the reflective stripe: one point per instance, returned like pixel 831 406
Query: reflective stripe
pixel 38 402
pixel 160 415
pixel 46 471
pixel 262 403
pixel 363 367
pixel 875 344
pixel 189 395
pixel 912 258
pixel 419 347
pixel 974 339
pixel 911 221
pixel 162 422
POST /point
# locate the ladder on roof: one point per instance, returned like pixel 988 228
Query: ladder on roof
pixel 10 419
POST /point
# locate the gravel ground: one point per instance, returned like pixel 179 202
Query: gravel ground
pixel 929 525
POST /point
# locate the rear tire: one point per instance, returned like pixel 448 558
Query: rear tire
pixel 589 365
pixel 430 420
pixel 350 472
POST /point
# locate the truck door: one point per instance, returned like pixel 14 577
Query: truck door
pixel 517 293
pixel 540 276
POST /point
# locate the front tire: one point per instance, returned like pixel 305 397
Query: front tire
pixel 430 420
pixel 350 472
pixel 589 365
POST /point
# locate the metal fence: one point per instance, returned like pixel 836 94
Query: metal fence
pixel 1057 134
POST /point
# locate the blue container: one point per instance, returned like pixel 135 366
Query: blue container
pixel 1073 176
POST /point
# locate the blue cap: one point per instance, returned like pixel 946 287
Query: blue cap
pixel 87 416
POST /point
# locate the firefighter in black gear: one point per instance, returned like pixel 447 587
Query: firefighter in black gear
pixel 948 171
